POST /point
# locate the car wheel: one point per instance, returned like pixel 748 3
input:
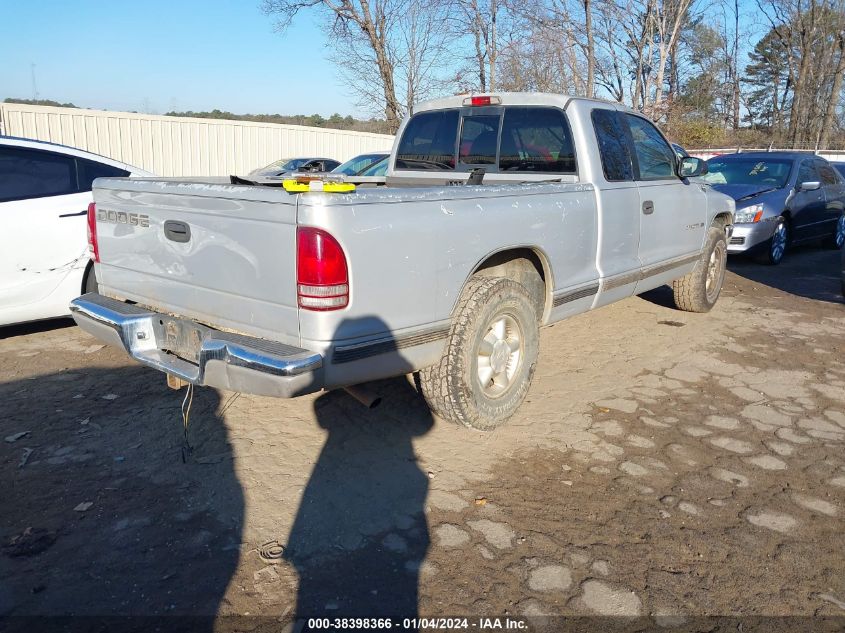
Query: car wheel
pixel 91 284
pixel 837 239
pixel 490 356
pixel 778 243
pixel 698 290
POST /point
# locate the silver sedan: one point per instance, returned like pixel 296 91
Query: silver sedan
pixel 782 198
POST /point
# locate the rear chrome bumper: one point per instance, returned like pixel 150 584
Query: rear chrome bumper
pixel 197 353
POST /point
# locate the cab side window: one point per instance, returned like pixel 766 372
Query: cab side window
pixel 428 142
pixel 26 173
pixel 655 157
pixel 613 146
pixel 536 140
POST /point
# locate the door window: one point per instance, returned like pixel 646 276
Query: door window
pixel 808 172
pixel 428 142
pixel 536 139
pixel 827 174
pixel 26 173
pixel 479 137
pixel 613 146
pixel 89 170
pixel 655 157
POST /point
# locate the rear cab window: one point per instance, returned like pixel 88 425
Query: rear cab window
pixel 428 142
pixel 538 140
pixel 501 139
pixel 479 139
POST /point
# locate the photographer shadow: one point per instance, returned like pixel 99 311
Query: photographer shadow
pixel 360 534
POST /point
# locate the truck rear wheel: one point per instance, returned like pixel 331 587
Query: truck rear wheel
pixel 490 356
pixel 698 290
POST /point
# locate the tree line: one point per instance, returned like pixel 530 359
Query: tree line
pixel 335 121
pixel 711 72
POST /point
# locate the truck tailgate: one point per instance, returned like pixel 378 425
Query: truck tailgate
pixel 222 254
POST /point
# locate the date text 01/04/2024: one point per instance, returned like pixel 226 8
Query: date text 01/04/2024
pixel 443 624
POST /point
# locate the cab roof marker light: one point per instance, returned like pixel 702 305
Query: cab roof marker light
pixel 483 100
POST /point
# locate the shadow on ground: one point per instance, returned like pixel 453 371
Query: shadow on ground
pixel 360 534
pixel 806 271
pixel 109 522
pixel 35 327
pixel 101 516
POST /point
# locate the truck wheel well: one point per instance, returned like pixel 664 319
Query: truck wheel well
pixel 723 219
pixel 524 266
pixel 89 270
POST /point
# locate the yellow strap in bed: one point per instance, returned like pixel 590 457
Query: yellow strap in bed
pixel 295 186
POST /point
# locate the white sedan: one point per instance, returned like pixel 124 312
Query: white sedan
pixel 45 190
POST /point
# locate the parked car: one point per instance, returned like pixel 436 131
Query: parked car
pixel 45 190
pixel 840 167
pixel 782 198
pixel 372 176
pixel 254 289
pixel 279 169
pixel 360 163
pixel 842 272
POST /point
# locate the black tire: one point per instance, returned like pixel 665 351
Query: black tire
pixel 698 290
pixel 836 239
pixel 453 387
pixel 778 244
pixel 91 284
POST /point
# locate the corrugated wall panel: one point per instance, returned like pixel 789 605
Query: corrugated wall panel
pixel 176 146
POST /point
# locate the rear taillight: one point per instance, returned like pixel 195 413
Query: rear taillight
pixel 322 278
pixel 93 247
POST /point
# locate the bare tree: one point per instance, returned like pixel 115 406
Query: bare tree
pixel 380 43
pixel 835 93
pixel 476 24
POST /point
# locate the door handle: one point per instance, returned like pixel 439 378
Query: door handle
pixel 648 207
pixel 73 215
pixel 177 231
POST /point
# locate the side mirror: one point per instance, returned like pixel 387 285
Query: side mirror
pixel 810 185
pixel 690 166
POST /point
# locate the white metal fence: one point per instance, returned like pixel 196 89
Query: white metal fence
pixel 177 146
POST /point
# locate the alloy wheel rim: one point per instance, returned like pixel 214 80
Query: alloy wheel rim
pixel 715 268
pixel 499 355
pixel 779 242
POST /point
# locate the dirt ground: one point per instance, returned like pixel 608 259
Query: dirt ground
pixel 666 465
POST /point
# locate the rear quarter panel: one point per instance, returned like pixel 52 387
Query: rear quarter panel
pixel 410 251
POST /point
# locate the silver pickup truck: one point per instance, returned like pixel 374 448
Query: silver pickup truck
pixel 501 213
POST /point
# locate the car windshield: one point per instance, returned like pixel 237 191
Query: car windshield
pixel 358 164
pixel 285 164
pixel 378 168
pixel 748 171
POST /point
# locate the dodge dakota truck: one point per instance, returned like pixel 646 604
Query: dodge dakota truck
pixel 501 213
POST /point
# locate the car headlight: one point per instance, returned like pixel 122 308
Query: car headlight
pixel 748 215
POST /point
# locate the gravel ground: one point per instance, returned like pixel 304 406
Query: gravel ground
pixel 666 465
